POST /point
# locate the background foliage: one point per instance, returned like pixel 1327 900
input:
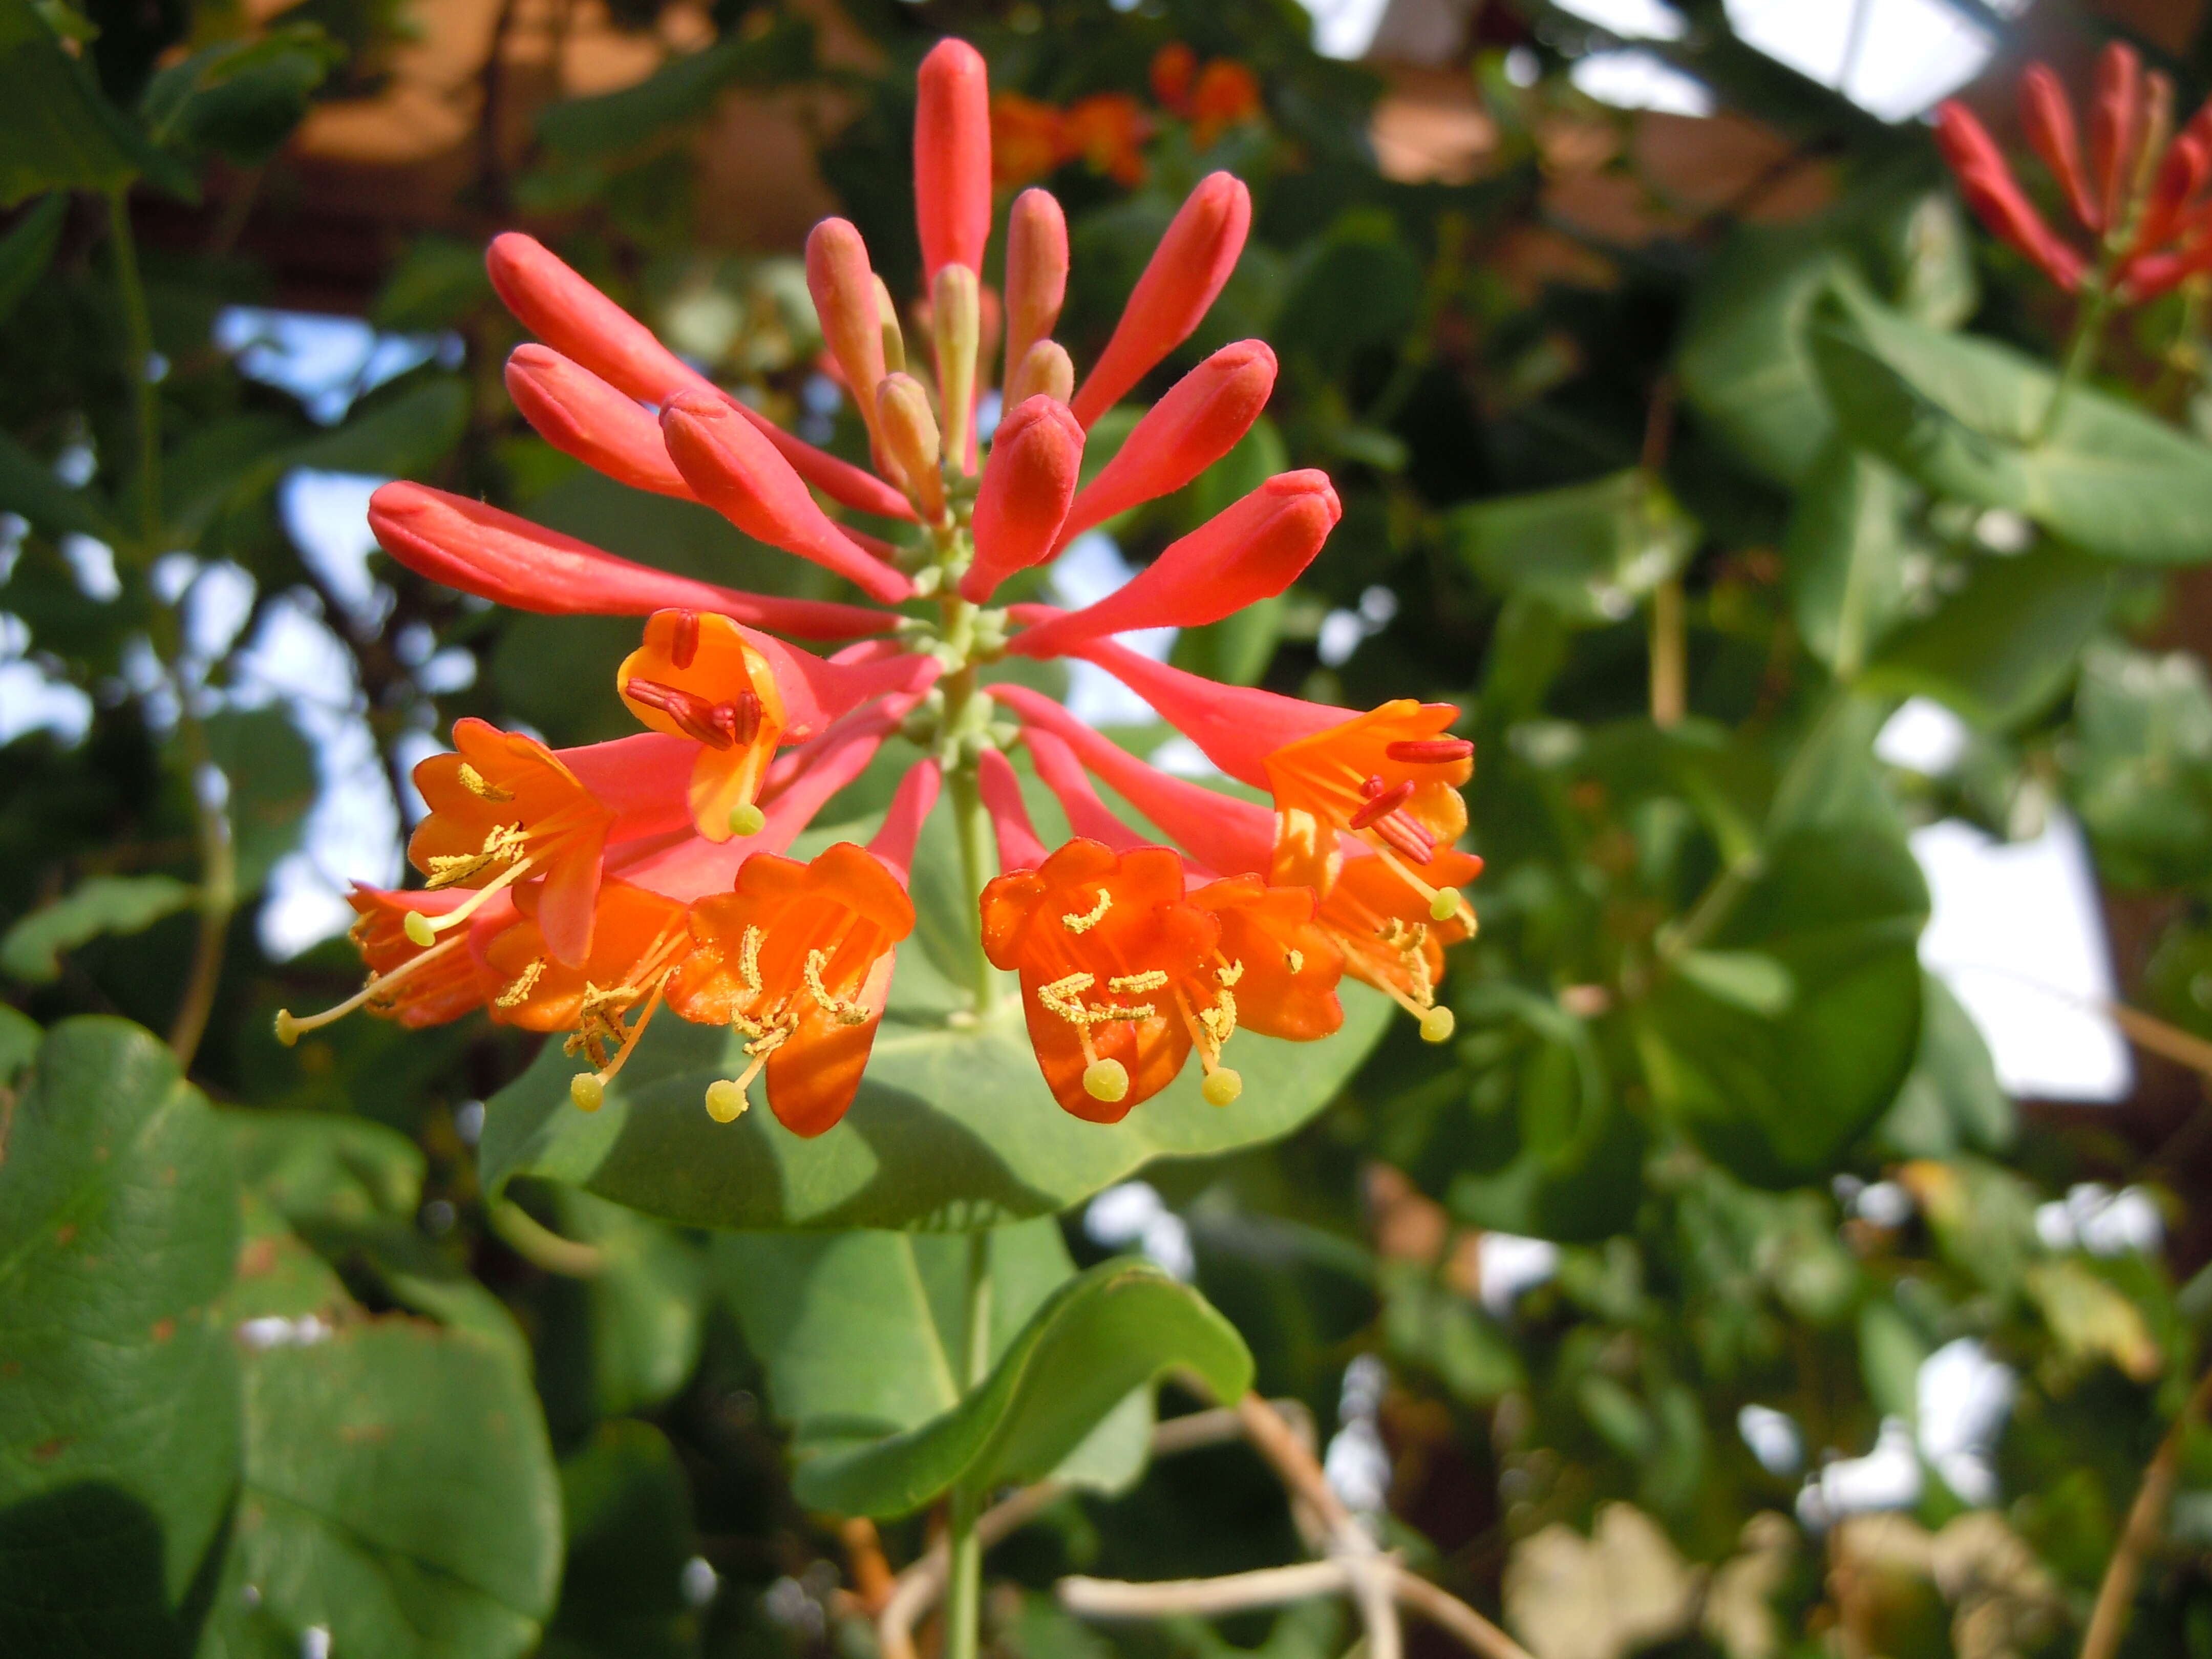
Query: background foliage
pixel 1679 518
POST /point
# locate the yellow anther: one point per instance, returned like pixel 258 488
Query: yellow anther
pixel 1228 973
pixel 1062 997
pixel 747 819
pixel 749 958
pixel 847 1013
pixel 588 1092
pixel 501 845
pixel 1437 1025
pixel 1297 961
pixel 1221 1087
pixel 1151 980
pixel 1084 924
pixel 726 1101
pixel 475 782
pixel 1220 1020
pixel 1106 1080
pixel 525 983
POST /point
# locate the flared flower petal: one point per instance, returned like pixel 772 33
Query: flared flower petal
pixel 1283 964
pixel 582 416
pixel 496 555
pixel 423 985
pixel 1250 551
pixel 952 157
pixel 701 677
pixel 505 808
pixel 561 308
pixel 1389 776
pixel 1202 418
pixel 1187 271
pixel 799 958
pixel 1028 483
pixel 1110 956
pixel 1232 836
pixel 735 470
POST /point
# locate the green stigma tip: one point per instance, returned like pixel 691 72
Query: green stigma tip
pixel 418 930
pixel 747 819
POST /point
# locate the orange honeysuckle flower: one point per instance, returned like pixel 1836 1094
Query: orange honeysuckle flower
pixel 1388 777
pixel 1226 93
pixel 1108 129
pixel 416 985
pixel 504 807
pixel 1029 139
pixel 1389 938
pixel 799 958
pixel 1121 977
pixel 1285 963
pixel 697 676
pixel 638 937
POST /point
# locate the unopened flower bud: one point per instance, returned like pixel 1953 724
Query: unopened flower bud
pixel 956 321
pixel 1199 421
pixel 844 290
pixel 1028 484
pixel 1045 371
pixel 952 157
pixel 887 318
pixel 1036 274
pixel 908 427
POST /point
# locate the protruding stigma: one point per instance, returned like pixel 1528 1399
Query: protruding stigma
pixel 1222 1086
pixel 1106 1080
pixel 289 1028
pixel 747 819
pixel 726 1100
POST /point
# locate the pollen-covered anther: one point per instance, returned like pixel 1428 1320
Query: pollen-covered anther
pixel 1381 802
pixel 847 1012
pixel 1064 996
pixel 525 983
pixel 1152 979
pixel 600 1035
pixel 477 785
pixel 1430 751
pixel 502 843
pixel 1403 834
pixel 731 724
pixel 1084 923
pixel 1294 961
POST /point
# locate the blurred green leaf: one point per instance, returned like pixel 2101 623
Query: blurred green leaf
pixel 2006 644
pixel 629 1538
pixel 2143 767
pixel 1845 556
pixel 28 246
pixel 1431 1325
pixel 680 91
pixel 437 282
pixel 62 134
pixel 1360 287
pixel 1953 1100
pixel 30 487
pixel 273 785
pixel 1891 1354
pixel 1745 365
pixel 644 1306
pixel 1965 416
pixel 240 99
pixel 119 1435
pixel 322 1169
pixel 31 949
pixel 1099 1337
pixel 1590 551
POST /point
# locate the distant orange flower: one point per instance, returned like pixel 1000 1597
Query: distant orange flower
pixel 1175 66
pixel 1029 139
pixel 1227 93
pixel 1109 129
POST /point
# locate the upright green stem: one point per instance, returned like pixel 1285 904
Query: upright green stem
pixel 966 712
pixel 139 333
pixel 963 1590
pixel 2080 350
pixel 218 882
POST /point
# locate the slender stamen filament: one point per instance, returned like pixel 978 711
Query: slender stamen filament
pixel 1222 1086
pixel 1444 902
pixel 288 1028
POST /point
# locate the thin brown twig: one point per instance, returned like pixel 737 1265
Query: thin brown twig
pixel 2116 1595
pixel 1236 1592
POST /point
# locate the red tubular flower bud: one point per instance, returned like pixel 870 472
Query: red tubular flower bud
pixel 498 555
pixel 2047 118
pixel 1249 552
pixel 2181 174
pixel 1028 482
pixel 1200 421
pixel 843 285
pixel 1187 272
pixel 582 416
pixel 894 842
pixel 1996 196
pixel 1036 273
pixel 559 307
pixel 1001 792
pixel 1059 771
pixel 2116 120
pixel 952 157
pixel 736 471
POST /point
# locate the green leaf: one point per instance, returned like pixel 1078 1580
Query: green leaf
pixel 436 284
pixel 62 134
pixel 1591 551
pixel 682 91
pixel 1953 1100
pixel 120 1428
pixel 2143 767
pixel 1844 557
pixel 642 1311
pixel 321 1169
pixel 1099 1337
pixel 630 1536
pixel 2003 646
pixel 1744 364
pixel 30 487
pixel 31 949
pixel 1964 417
pixel 273 785
pixel 28 247
pixel 240 99
pixel 393 439
pixel 864 1335
pixel 1435 1326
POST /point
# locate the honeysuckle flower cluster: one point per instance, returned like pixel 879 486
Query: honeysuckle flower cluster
pixel 2140 192
pixel 581 891
pixel 1107 131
